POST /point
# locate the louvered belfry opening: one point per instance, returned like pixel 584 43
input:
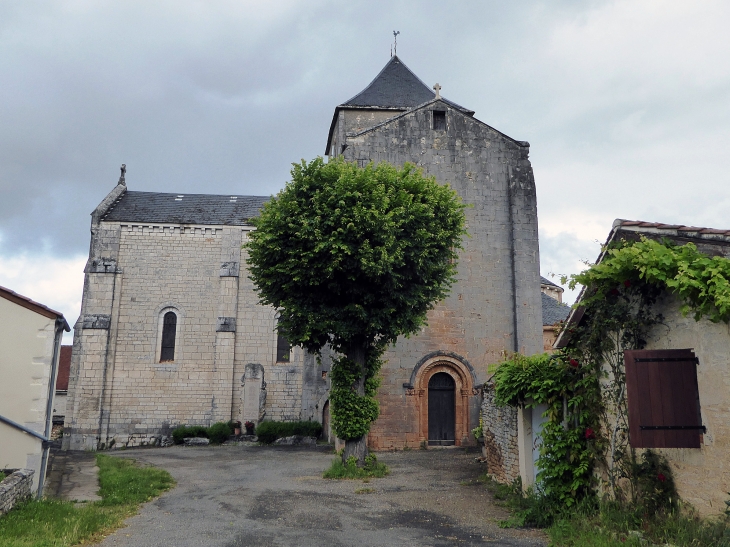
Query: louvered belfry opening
pixel 441 410
pixel 663 398
pixel 169 330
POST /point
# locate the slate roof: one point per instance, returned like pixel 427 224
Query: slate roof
pixel 553 311
pixel 206 209
pixel 396 87
pixel 546 281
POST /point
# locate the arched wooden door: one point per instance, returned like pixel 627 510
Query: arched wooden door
pixel 441 410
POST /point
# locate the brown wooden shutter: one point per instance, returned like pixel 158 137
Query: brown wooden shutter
pixel 663 398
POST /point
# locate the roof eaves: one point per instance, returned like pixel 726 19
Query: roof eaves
pixel 32 305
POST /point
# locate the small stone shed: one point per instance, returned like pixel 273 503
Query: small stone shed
pixel 678 386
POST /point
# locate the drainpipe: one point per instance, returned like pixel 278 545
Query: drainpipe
pixel 61 325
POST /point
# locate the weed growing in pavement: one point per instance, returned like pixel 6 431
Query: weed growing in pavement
pixel 590 523
pixel 123 487
pixel 350 470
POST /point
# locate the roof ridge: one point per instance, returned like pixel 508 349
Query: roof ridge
pixel 621 223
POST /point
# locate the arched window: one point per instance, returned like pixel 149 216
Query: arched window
pixel 283 348
pixel 169 330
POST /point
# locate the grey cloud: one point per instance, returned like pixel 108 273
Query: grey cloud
pixel 196 97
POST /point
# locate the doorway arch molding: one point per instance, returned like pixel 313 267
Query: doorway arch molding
pixel 464 378
pixel 448 356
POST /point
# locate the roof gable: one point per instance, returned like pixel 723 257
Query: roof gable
pixel 678 233
pixel 33 306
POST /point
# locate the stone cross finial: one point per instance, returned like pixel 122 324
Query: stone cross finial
pixel 437 88
pixel 123 169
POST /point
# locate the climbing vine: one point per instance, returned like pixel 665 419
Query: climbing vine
pixel 352 413
pixel 583 384
pixel 569 436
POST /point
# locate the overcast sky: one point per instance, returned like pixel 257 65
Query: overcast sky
pixel 626 105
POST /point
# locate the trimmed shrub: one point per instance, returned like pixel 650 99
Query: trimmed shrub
pixel 268 432
pixel 183 431
pixel 219 432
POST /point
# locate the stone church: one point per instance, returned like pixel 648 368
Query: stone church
pixel 171 331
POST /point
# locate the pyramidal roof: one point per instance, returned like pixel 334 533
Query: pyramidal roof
pixel 395 87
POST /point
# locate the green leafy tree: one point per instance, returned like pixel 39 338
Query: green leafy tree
pixel 353 258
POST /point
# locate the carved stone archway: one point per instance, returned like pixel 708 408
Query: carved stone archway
pixel 463 376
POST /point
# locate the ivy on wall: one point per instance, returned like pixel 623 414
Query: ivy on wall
pixel 583 385
pixel 572 396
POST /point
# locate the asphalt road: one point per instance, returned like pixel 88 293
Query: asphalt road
pixel 264 496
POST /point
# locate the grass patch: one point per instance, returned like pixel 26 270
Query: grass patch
pixel 613 525
pixel 350 470
pixel 45 523
pixel 364 490
pixel 593 524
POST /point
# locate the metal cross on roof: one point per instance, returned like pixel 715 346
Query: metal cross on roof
pixel 437 89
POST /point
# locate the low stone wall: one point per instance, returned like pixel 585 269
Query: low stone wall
pixel 499 426
pixel 15 488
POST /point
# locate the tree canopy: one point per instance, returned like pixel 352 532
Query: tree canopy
pixel 352 254
pixel 355 257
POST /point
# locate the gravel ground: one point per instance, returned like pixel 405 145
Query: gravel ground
pixel 265 496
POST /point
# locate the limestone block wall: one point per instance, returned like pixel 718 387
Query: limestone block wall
pixel 501 447
pixel 702 475
pixel 167 268
pixel 15 488
pixel 495 305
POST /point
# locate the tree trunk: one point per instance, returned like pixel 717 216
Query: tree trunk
pixel 357 447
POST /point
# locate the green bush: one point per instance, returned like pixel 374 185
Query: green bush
pixel 350 470
pixel 219 432
pixel 183 431
pixel 269 431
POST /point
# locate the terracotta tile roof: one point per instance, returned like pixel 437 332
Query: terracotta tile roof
pixel 64 368
pixel 712 236
pixel 679 229
pixel 32 305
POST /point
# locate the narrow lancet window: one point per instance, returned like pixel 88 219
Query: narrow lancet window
pixel 169 329
pixel 283 348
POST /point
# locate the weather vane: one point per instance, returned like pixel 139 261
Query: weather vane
pixel 394 47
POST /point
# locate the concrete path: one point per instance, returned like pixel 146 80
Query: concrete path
pixel 253 496
pixel 72 476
